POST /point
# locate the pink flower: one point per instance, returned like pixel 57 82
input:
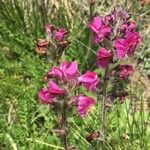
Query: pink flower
pixel 129 26
pixel 67 70
pixel 100 29
pixel 54 89
pixel 49 28
pixel 45 96
pixel 90 80
pixel 96 24
pixel 133 40
pixel 60 34
pixel 56 72
pixel 128 44
pixel 104 57
pixel 125 71
pixel 84 104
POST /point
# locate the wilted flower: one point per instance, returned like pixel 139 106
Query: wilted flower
pixel 100 29
pixel 104 57
pixel 121 95
pixel 128 44
pixel 90 80
pixel 125 71
pixel 60 34
pixel 42 46
pixel 67 70
pixel 84 104
pixel 45 96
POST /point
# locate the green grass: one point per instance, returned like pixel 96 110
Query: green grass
pixel 24 122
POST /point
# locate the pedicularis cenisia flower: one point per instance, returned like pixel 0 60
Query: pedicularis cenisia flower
pixel 117 38
pixel 62 93
pixel 63 83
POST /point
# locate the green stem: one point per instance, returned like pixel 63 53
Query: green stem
pixel 64 125
pixel 103 109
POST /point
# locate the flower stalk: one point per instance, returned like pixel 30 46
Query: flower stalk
pixel 103 108
pixel 64 125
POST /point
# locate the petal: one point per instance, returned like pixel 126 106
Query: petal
pixel 72 71
pixel 84 103
pixel 88 77
pixel 55 89
pixel 103 63
pixel 56 72
pixel 45 96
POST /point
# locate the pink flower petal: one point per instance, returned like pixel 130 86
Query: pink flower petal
pixel 84 103
pixel 45 96
pixel 90 80
pixel 104 57
pixel 55 89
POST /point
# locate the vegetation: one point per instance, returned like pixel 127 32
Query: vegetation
pixel 24 122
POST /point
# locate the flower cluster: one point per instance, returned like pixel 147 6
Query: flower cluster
pixel 119 39
pixel 55 43
pixel 63 83
pixel 116 28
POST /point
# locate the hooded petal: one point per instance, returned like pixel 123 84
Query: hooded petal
pixel 72 71
pixel 133 40
pixel 120 46
pixel 55 89
pixel 45 96
pixel 104 57
pixel 56 72
pixel 96 24
pixel 90 80
pixel 84 103
pixel 60 34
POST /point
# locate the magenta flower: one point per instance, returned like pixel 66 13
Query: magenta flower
pixel 125 71
pixel 56 72
pixel 129 26
pixel 90 80
pixel 49 28
pixel 84 104
pixel 104 57
pixel 100 29
pixel 128 44
pixel 133 40
pixel 45 96
pixel 60 34
pixel 67 70
pixel 54 89
pixel 96 24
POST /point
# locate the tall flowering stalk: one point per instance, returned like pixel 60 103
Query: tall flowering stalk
pixel 118 38
pixel 60 94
